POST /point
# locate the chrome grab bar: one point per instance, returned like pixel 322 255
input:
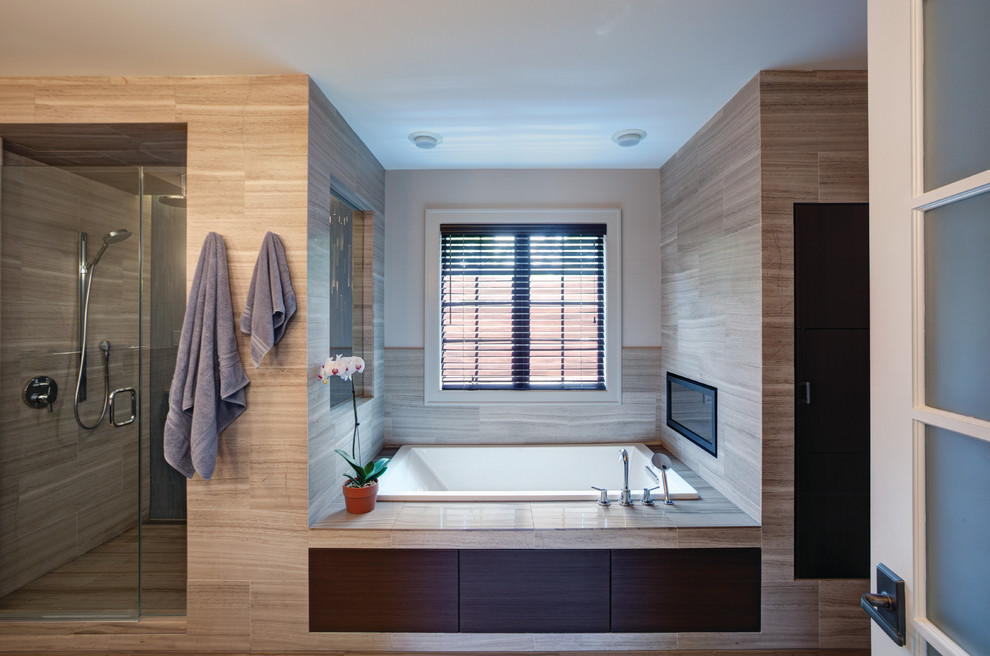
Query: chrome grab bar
pixel 130 420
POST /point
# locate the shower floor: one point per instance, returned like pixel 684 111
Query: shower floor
pixel 103 581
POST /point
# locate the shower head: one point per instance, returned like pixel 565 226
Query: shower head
pixel 115 236
pixel 112 237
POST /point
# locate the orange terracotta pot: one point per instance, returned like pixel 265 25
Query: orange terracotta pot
pixel 359 500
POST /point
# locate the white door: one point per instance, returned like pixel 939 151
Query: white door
pixel 930 317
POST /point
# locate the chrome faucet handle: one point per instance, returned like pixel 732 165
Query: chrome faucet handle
pixel 647 500
pixel 602 495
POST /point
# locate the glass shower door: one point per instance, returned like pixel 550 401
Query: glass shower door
pixel 71 486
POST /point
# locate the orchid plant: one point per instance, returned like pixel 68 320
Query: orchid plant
pixel 345 368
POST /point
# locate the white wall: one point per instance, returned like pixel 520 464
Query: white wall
pixel 409 193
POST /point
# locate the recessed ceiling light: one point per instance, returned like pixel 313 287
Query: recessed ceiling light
pixel 425 140
pixel 627 138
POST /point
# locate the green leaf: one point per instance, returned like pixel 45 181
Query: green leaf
pixel 377 469
pixel 350 461
pixel 366 474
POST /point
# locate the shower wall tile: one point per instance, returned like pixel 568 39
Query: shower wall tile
pixel 92 527
pixel 35 550
pixel 58 472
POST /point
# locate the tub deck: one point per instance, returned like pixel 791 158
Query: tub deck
pixel 709 521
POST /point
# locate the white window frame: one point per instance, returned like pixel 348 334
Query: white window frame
pixel 612 394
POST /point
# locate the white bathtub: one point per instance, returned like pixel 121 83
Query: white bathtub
pixel 562 472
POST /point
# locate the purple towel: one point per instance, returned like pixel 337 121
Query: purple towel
pixel 270 302
pixel 207 392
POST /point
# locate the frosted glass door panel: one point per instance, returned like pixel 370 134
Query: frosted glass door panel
pixel 957 307
pixel 957 90
pixel 958 532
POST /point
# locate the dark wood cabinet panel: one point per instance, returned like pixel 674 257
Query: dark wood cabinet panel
pixel 832 516
pixel 836 366
pixel 392 590
pixel 681 590
pixel 831 265
pixel 541 591
pixel 534 591
pixel 832 372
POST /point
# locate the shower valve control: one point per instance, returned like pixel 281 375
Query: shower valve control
pixel 41 392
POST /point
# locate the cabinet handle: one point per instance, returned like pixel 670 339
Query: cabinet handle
pixel 805 393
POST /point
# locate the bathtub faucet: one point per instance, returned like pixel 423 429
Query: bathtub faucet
pixel 625 496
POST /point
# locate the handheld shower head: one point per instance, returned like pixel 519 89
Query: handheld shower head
pixel 112 237
pixel 115 236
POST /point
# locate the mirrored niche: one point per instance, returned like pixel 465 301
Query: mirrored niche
pixel 346 291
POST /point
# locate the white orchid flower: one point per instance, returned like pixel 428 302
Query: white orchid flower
pixel 345 367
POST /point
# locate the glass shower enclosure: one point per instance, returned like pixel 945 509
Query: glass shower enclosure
pixel 92 295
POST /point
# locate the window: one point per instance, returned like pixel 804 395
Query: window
pixel 522 306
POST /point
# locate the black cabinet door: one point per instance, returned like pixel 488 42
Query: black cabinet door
pixel 383 590
pixel 832 516
pixel 538 591
pixel 682 590
pixel 832 368
pixel 831 265
pixel 832 373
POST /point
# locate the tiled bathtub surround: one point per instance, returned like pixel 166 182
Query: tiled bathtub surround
pixel 710 520
pixel 409 421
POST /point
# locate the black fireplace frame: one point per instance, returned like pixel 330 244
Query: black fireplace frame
pixel 709 392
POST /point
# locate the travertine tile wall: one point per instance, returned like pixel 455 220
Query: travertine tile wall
pixel 710 290
pixel 727 256
pixel 338 161
pixel 409 421
pixel 64 490
pixel 253 166
pixel 813 148
pixel 249 171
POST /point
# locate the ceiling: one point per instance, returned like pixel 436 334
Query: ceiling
pixel 507 83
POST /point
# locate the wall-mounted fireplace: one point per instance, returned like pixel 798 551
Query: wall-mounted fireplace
pixel 691 411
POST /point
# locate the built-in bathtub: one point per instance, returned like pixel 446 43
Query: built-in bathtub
pixel 560 472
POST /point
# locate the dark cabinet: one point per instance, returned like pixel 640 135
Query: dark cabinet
pixel 393 590
pixel 682 590
pixel 832 411
pixel 541 591
pixel 534 590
